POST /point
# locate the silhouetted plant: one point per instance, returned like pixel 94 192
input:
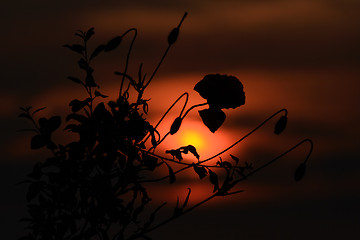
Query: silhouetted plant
pixel 93 188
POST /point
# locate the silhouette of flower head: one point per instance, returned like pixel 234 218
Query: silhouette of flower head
pixel 221 91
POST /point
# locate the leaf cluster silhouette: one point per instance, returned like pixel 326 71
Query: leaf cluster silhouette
pixel 94 187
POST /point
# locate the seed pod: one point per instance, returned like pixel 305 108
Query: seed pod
pixel 280 125
pixel 175 126
pixel 173 36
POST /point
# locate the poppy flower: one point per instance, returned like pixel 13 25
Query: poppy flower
pixel 221 91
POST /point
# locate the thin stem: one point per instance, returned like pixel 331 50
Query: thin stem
pixel 158 66
pixel 195 106
pixel 168 110
pixel 283 154
pixel 165 53
pixel 127 57
pixel 231 146
pixel 145 231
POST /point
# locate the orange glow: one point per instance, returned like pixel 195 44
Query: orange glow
pixel 194 132
pixel 192 137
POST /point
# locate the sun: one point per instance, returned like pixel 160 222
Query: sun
pixel 192 137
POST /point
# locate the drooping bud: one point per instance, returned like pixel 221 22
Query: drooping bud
pixel 280 125
pixel 173 36
pixel 176 125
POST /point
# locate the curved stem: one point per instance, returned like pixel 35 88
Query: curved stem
pixel 178 99
pixel 164 55
pixel 283 154
pixel 228 148
pixel 127 57
pixel 158 66
pixel 145 231
pixel 168 110
pixel 192 107
pixel 195 106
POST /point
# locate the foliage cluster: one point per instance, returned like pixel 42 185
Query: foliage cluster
pixel 93 188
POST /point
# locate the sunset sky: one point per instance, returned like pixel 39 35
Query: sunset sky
pixel 303 55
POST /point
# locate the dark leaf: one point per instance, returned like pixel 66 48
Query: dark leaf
pixel 186 199
pixel 192 149
pixel 150 161
pixel 145 107
pixel 175 153
pixel 76 48
pixel 53 123
pixel 201 171
pixel 225 164
pixel 153 139
pixel 75 80
pixel 175 125
pixel 112 44
pixel 97 50
pixel 213 118
pixel 89 34
pixel 38 110
pixel 38 141
pixel 98 94
pixel 280 125
pixel 236 159
pixel 214 180
pixel 173 36
pixel 172 176
pixel 77 105
pixel 221 91
pixel 300 172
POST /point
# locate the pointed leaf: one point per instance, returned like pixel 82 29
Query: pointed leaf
pixel 98 94
pixel 236 159
pixel 280 125
pixel 97 50
pixel 201 171
pixel 214 180
pixel 213 118
pixel 172 176
pixel 89 34
pixel 186 199
pixel 300 172
pixel 76 48
pixel 77 105
pixel 75 80
pixel 192 149
pixel 38 110
pixel 112 44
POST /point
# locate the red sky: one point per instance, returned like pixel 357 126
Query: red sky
pixel 298 54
